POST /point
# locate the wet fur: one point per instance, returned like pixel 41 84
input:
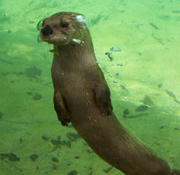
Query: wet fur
pixel 82 97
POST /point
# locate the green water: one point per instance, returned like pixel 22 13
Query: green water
pixel 145 72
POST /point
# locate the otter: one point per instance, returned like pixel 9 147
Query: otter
pixel 82 97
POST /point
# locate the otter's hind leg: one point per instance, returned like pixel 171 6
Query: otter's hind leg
pixel 61 109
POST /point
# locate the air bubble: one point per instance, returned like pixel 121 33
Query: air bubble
pixel 39 39
pixel 78 41
pixel 39 24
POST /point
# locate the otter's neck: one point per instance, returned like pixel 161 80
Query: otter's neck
pixel 76 54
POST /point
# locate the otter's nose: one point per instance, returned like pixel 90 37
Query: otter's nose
pixel 46 31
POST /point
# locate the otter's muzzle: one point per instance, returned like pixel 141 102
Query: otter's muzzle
pixel 47 31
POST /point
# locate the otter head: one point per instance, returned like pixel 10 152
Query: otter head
pixel 63 28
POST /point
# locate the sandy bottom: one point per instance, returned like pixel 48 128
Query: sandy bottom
pixel 145 72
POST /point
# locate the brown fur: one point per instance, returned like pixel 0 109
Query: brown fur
pixel 82 97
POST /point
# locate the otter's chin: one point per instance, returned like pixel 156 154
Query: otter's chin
pixel 55 40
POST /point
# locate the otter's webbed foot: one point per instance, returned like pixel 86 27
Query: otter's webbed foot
pixel 61 109
pixel 103 100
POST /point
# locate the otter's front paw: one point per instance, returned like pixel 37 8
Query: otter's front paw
pixel 64 122
pixel 61 109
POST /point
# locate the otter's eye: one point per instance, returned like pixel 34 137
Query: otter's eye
pixel 64 24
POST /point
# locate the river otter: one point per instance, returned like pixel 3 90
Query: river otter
pixel 82 97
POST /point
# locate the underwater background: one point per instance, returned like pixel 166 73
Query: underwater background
pixel 143 76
